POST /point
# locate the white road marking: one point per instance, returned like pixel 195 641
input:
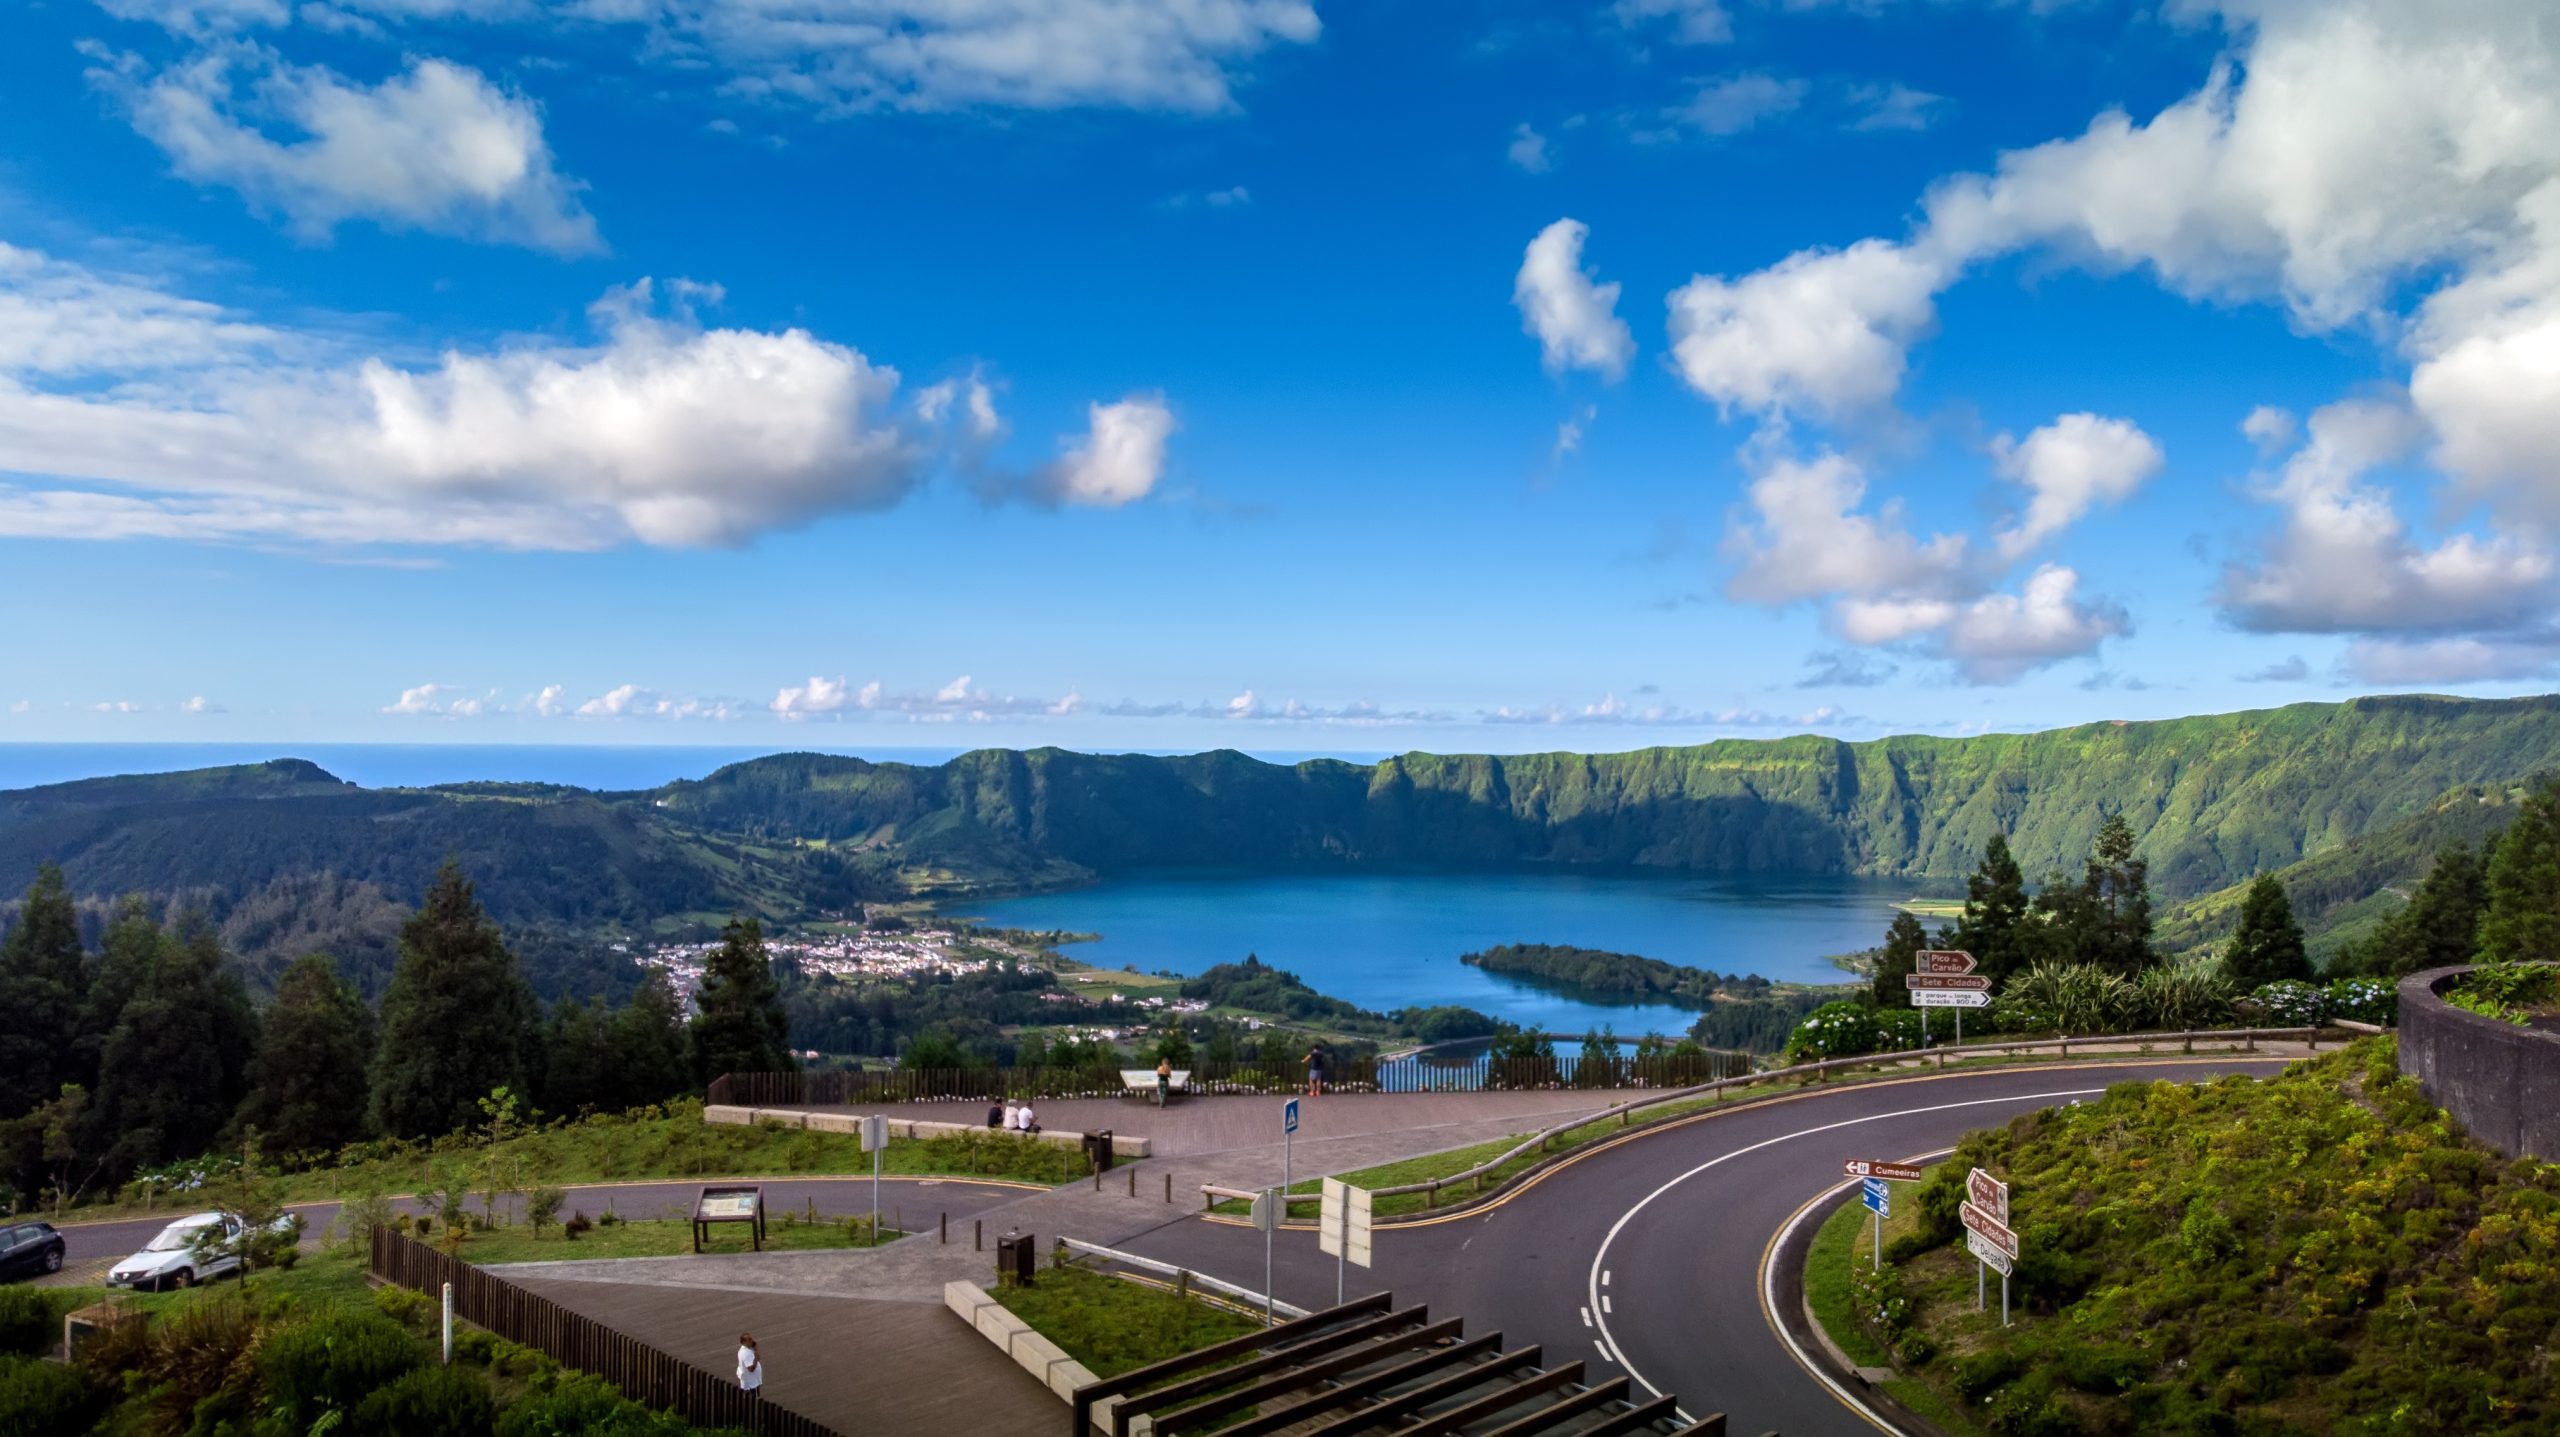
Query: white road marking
pixel 1604 1303
pixel 1586 1317
pixel 1647 1200
pixel 1769 1301
pixel 1604 1279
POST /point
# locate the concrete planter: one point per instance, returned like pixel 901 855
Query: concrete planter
pixel 2500 1081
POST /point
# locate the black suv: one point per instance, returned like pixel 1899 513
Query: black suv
pixel 30 1249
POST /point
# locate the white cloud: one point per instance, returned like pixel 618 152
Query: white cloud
pixel 1998 638
pixel 201 705
pixel 1807 538
pixel 2270 428
pixel 665 432
pixel 437 148
pixel 973 399
pixel 1117 460
pixel 956 691
pixel 21 706
pixel 2343 561
pixel 2450 660
pixel 1529 150
pixel 2069 467
pixel 1823 331
pixel 1573 315
pixel 1692 22
pixel 1613 711
pixel 858 55
pixel 2290 670
pixel 439 701
pixel 630 701
pixel 819 696
pixel 1737 103
pixel 117 706
pixel 1896 106
pixel 1569 432
pixel 550 702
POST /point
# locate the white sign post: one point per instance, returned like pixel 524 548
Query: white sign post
pixel 1985 1212
pixel 1343 1229
pixel 875 1136
pixel 1266 1216
pixel 1288 1140
pixel 1943 978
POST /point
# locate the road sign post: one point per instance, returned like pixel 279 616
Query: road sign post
pixel 1288 1140
pixel 1266 1216
pixel 875 1136
pixel 1985 1212
pixel 1879 1200
pixel 1343 1229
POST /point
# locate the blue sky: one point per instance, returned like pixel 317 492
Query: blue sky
pixel 1289 376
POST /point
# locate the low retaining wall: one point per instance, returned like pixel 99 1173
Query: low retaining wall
pixel 1030 1351
pixel 850 1123
pixel 2500 1081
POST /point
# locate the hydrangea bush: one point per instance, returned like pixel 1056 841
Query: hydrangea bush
pixel 2290 1004
pixel 1834 1030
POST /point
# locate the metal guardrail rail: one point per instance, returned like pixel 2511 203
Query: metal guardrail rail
pixel 1167 1269
pixel 2246 1038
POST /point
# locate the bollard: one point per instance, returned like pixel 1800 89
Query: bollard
pixel 1097 1177
pixel 946 1229
pixel 978 1234
pixel 1133 1182
pixel 1168 1185
pixel 897 1224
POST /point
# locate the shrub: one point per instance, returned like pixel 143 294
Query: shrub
pixel 409 1309
pixel 2365 1000
pixel 607 1218
pixel 577 1226
pixel 203 1361
pixel 588 1406
pixel 2290 1004
pixel 29 1321
pixel 430 1401
pixel 43 1399
pixel 2181 997
pixel 541 1205
pixel 2081 997
pixel 331 1364
pixel 1834 1030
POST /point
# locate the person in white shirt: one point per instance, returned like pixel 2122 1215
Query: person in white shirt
pixel 1027 1125
pixel 1012 1115
pixel 750 1366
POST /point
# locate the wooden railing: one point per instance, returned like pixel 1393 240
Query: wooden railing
pixel 648 1376
pixel 1410 1073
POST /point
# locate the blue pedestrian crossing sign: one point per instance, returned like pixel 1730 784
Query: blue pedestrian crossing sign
pixel 1289 1116
pixel 1878 1197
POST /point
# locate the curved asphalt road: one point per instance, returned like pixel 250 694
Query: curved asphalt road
pixel 90 1248
pixel 1643 1257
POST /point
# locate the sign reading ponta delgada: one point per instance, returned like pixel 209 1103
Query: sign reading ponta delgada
pixel 1992 1257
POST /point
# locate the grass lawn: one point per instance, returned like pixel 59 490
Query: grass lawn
pixel 1846 1238
pixel 658 1239
pixel 1111 1325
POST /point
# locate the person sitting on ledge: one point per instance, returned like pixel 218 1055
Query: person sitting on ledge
pixel 1026 1125
pixel 1010 1118
pixel 995 1115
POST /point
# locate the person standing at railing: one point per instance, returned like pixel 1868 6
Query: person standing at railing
pixel 1164 1081
pixel 1315 1070
pixel 750 1366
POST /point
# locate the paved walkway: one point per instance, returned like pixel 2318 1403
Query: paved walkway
pixel 1197 1126
pixel 858 1366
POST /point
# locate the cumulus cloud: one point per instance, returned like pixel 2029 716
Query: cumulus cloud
pixel 2070 467
pixel 1528 150
pixel 959 700
pixel 2270 428
pixel 1807 536
pixel 861 55
pixel 1569 432
pixel 631 701
pixel 2290 670
pixel 2343 561
pixel 1896 106
pixel 2452 659
pixel 1572 314
pixel 178 419
pixel 1998 638
pixel 1611 711
pixel 201 705
pixel 1824 332
pixel 437 148
pixel 1116 461
pixel 443 701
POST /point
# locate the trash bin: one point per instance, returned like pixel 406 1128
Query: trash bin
pixel 1097 1150
pixel 1017 1259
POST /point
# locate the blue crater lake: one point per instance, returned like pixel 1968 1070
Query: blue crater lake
pixel 1388 941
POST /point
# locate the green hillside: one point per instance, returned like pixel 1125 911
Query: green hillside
pixel 2215 799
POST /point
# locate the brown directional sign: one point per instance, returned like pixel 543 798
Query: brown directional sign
pixel 1965 982
pixel 1878 1168
pixel 1989 1194
pixel 1942 960
pixel 1989 1229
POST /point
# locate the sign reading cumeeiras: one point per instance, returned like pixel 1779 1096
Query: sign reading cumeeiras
pixel 1879 1168
pixel 1944 961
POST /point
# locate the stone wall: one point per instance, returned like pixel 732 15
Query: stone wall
pixel 2498 1080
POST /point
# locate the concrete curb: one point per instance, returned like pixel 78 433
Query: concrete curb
pixel 851 1123
pixel 1030 1351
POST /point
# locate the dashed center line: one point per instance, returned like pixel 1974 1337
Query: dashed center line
pixel 1586 1317
pixel 1604 1277
pixel 1605 1308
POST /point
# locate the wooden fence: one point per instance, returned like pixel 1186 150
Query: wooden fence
pixel 650 1377
pixel 1411 1073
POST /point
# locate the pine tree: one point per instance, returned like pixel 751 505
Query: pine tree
pixel 1903 940
pixel 578 1059
pixel 739 1025
pixel 2267 946
pixel 1995 927
pixel 175 1066
pixel 456 1021
pixel 40 985
pixel 2441 925
pixel 2522 920
pixel 650 1063
pixel 125 962
pixel 307 1084
pixel 2119 889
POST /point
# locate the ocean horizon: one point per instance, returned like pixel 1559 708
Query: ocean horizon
pixel 608 767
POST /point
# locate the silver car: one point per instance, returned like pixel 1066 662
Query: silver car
pixel 187 1252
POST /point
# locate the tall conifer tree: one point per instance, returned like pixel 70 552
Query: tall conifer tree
pixel 41 973
pixel 1995 927
pixel 457 1019
pixel 2267 946
pixel 2522 921
pixel 651 1064
pixel 1903 940
pixel 739 1025
pixel 308 1083
pixel 2441 925
pixel 175 1065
